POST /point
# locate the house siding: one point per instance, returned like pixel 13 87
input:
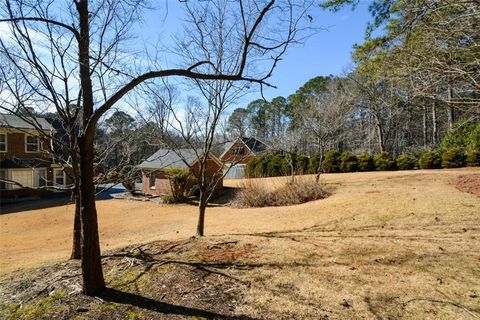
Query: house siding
pixel 16 147
pixel 230 157
pixel 16 153
pixel 162 184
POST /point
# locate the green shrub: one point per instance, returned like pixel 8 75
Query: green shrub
pixel 430 160
pixel 262 165
pixel 331 163
pixel 275 166
pixel 384 161
pixel 473 158
pixel 251 166
pixel 349 162
pixel 288 161
pixel 464 135
pixel 454 158
pixel 313 163
pixel 406 162
pixel 179 180
pixel 301 163
pixel 365 162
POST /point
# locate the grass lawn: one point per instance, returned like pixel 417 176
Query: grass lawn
pixel 385 245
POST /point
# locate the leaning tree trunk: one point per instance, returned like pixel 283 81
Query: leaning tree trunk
pixel 93 282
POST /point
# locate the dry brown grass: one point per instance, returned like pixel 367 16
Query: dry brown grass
pixel 278 192
pixel 385 245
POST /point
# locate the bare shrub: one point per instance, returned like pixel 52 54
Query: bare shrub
pixel 252 194
pixel 256 194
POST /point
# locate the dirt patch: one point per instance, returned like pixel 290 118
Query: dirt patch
pixel 226 252
pixel 469 183
pixel 155 281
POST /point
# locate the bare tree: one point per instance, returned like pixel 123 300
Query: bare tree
pixel 325 117
pixel 68 54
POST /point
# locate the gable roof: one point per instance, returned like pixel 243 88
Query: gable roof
pixel 165 158
pixel 13 121
pixel 256 146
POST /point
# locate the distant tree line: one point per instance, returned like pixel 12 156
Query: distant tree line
pixel 458 149
pixel 414 82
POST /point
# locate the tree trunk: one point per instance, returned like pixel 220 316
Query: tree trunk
pixel 381 143
pixel 434 123
pixel 450 114
pixel 450 117
pixel 424 126
pixel 77 231
pixel 202 205
pixel 93 282
pixel 292 170
pixel 319 168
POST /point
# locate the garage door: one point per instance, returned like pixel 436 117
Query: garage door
pixel 23 177
pixel 236 172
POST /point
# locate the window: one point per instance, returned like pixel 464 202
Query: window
pixel 239 151
pixel 59 177
pixel 3 142
pixel 32 143
pixel 151 180
pixel 3 175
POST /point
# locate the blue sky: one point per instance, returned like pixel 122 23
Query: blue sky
pixel 328 52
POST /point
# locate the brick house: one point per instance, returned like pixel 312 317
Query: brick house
pixel 154 180
pixel 239 152
pixel 23 158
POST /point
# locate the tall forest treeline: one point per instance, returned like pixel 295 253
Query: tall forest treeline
pixel 416 77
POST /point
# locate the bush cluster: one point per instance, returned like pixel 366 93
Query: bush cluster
pixel 280 165
pixel 254 194
pixel 348 162
pixel 473 158
pixel 384 162
pixel 333 161
pixel 454 158
pixel 406 162
pixel 366 162
pixel 465 135
pixel 430 160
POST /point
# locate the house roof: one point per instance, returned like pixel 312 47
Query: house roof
pixel 16 122
pixel 255 145
pixel 165 158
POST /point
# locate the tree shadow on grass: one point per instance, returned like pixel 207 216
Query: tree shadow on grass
pixel 116 296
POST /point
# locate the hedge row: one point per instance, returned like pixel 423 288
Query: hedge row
pixel 333 161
